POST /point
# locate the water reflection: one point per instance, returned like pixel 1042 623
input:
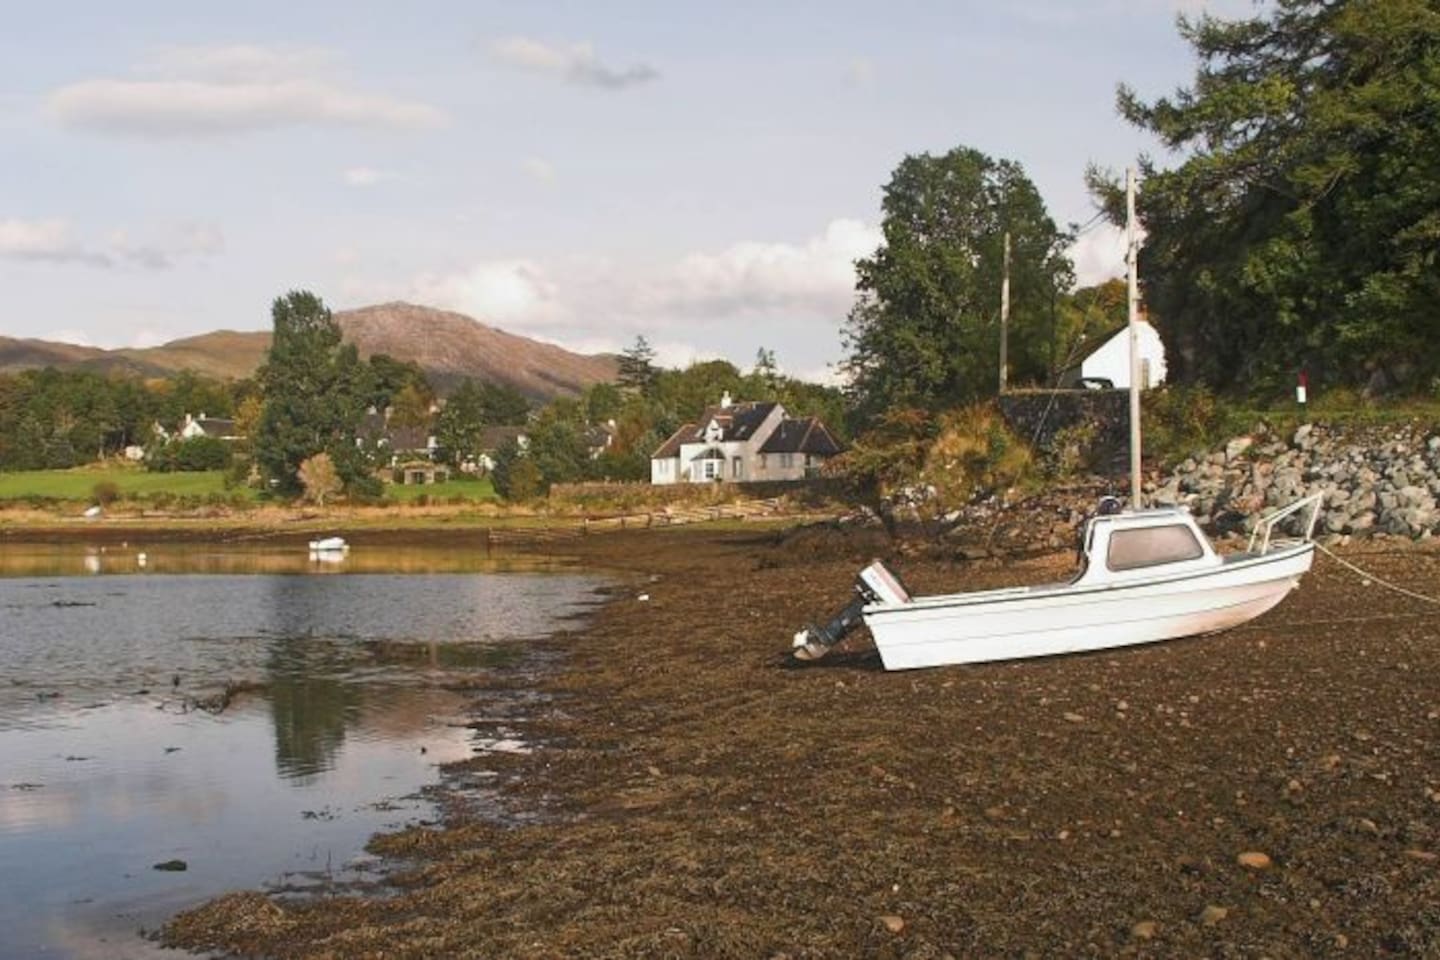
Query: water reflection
pixel 335 685
pixel 33 560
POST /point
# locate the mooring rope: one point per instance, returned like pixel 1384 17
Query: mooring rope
pixel 1370 576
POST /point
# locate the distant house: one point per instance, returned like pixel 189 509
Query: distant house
pixel 743 443
pixel 1107 361
pixel 396 444
pixel 219 428
pixel 600 437
pixel 491 440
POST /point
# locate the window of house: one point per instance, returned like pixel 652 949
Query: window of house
pixel 787 459
pixel 710 469
pixel 762 461
pixel 1148 546
pixel 735 468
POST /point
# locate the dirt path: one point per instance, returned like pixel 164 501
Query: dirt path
pixel 712 802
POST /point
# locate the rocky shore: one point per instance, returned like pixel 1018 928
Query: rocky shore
pixel 1377 481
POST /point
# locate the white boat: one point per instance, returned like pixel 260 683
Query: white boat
pixel 1146 575
pixel 329 545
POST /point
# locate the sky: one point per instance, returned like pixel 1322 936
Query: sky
pixel 703 175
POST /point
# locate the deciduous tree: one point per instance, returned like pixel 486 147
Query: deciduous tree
pixel 924 330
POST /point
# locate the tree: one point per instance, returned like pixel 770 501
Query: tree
pixel 410 407
pixel 924 329
pixel 315 390
pixel 503 405
pixel 637 365
pixel 390 376
pixel 1303 226
pixel 766 373
pixel 514 476
pixel 557 445
pixel 318 477
pixel 460 426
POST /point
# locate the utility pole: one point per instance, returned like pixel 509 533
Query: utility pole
pixel 1132 248
pixel 1005 313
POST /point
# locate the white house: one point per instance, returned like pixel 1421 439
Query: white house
pixel 221 428
pixel 743 443
pixel 1109 361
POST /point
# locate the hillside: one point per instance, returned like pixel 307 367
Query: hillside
pixel 448 346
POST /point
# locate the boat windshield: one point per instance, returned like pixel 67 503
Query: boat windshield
pixel 1151 546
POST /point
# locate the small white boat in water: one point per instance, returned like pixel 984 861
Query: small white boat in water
pixel 1145 575
pixel 329 545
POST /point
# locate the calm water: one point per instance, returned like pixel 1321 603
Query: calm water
pixel 110 763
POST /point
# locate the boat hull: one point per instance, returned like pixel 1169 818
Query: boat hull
pixel 1046 621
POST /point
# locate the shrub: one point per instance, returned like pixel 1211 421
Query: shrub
pixel 105 492
pixel 197 453
pixel 318 477
pixel 973 454
pixel 1180 421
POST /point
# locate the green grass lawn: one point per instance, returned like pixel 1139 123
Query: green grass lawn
pixel 477 490
pixel 79 484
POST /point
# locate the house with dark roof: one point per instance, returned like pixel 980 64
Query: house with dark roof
pixel 743 443
pixel 218 428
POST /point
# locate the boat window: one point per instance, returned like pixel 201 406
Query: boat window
pixel 1148 546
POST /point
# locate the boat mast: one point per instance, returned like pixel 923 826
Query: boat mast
pixel 1132 247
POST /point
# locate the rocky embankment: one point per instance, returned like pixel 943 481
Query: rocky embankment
pixel 1374 480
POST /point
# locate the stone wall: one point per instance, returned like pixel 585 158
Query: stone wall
pixel 1086 428
pixel 1374 480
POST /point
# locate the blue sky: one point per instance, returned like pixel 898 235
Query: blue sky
pixel 579 172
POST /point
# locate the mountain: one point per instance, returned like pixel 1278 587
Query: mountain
pixel 448 346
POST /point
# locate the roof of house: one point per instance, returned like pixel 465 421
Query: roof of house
pixel 801 435
pixel 738 421
pixel 491 438
pixel 671 447
pixel 216 426
pixel 408 438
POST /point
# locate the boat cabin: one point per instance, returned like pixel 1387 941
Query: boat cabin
pixel 1134 546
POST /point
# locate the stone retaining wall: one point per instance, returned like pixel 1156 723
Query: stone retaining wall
pixel 1374 480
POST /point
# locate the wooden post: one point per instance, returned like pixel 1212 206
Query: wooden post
pixel 1005 313
pixel 1132 247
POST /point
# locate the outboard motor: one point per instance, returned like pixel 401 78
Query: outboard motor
pixel 874 584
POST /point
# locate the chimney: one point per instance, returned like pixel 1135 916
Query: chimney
pixel 725 401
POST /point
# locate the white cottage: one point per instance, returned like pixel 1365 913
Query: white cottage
pixel 743 443
pixel 1109 361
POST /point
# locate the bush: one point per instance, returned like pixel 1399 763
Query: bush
pixel 195 454
pixel 1180 421
pixel 105 492
pixel 974 454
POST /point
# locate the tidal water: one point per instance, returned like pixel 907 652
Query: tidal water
pixel 249 713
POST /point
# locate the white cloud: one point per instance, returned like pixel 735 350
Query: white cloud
pixel 206 91
pixel 500 292
pixel 70 335
pixel 790 297
pixel 52 241
pixel 146 337
pixel 541 170
pixel 813 277
pixel 46 241
pixel 365 176
pixel 1099 255
pixel 576 62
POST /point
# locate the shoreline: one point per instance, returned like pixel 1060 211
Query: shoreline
pixel 711 801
